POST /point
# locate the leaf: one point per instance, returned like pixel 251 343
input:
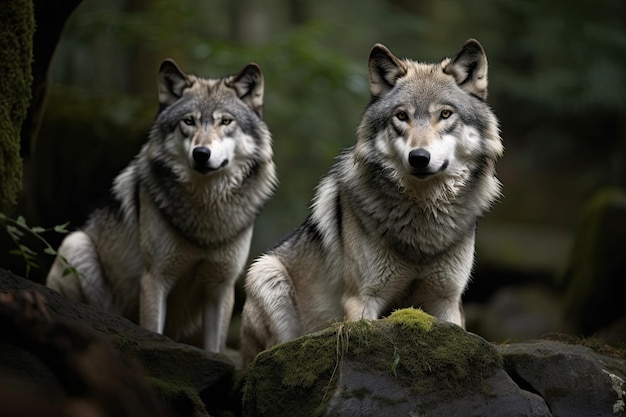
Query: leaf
pixel 61 228
pixel 21 221
pixel 71 270
pixel 395 363
pixel 26 249
pixel 37 229
pixel 50 251
pixel 15 233
pixel 15 252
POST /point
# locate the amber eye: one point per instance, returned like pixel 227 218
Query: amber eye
pixel 188 121
pixel 226 121
pixel 402 116
pixel 446 113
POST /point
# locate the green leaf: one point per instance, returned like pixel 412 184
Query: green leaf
pixel 37 229
pixel 71 270
pixel 15 232
pixel 26 249
pixel 21 221
pixel 61 228
pixel 49 251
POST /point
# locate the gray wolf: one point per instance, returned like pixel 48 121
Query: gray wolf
pixel 393 222
pixel 168 247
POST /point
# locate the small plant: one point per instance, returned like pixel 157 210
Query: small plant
pixel 17 229
pixel 395 363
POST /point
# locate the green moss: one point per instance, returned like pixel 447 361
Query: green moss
pixel 303 370
pixel 16 33
pixel 182 398
pixel 409 345
pixel 409 317
pixel 421 346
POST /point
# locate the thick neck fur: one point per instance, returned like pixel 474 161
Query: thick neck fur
pixel 414 217
pixel 205 210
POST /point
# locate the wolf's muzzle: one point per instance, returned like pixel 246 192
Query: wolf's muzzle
pixel 201 155
pixel 419 158
pixel 201 158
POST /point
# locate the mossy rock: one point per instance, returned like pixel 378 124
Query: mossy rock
pixel 407 363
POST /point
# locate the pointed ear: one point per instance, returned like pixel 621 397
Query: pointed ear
pixel 248 85
pixel 469 68
pixel 385 69
pixel 172 82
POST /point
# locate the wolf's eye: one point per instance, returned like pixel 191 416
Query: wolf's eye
pixel 402 116
pixel 188 121
pixel 445 113
pixel 226 121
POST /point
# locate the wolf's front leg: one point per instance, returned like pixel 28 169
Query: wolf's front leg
pixel 446 309
pixel 359 307
pixel 270 314
pixel 216 317
pixel 86 283
pixel 152 303
pixel 441 301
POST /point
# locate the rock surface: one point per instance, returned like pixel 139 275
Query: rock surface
pixel 411 364
pixel 574 380
pixel 189 380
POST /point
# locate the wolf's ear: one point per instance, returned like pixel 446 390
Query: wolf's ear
pixel 469 68
pixel 172 82
pixel 385 69
pixel 248 85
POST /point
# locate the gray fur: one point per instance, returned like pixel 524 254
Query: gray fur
pixel 385 232
pixel 167 251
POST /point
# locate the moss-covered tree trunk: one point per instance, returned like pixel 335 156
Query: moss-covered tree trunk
pixel 17 27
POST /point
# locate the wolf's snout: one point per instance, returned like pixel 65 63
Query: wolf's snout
pixel 419 158
pixel 201 155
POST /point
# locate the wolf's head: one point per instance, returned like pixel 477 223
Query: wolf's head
pixel 211 125
pixel 429 120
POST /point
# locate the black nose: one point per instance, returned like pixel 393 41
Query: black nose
pixel 419 158
pixel 201 155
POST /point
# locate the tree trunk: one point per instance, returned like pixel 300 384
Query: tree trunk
pixel 16 47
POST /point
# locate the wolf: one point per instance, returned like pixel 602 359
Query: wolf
pixel 175 235
pixel 393 223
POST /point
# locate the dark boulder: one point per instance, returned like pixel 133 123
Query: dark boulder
pixel 574 380
pixel 188 380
